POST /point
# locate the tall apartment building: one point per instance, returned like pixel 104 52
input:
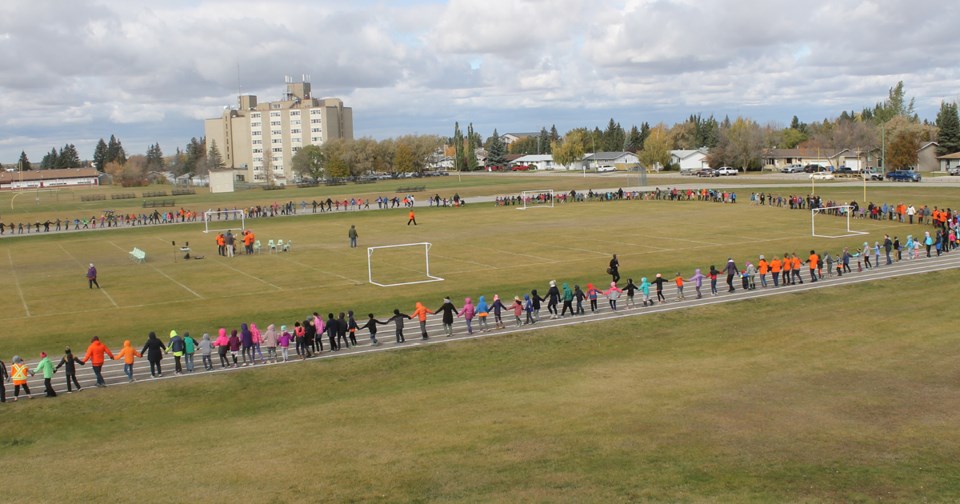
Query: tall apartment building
pixel 259 140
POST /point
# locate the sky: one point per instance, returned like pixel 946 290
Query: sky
pixel 75 71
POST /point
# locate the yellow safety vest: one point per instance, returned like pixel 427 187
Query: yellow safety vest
pixel 19 372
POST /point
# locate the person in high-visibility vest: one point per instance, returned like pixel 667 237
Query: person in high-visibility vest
pixel 18 373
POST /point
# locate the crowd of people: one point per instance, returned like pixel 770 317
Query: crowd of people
pixel 248 345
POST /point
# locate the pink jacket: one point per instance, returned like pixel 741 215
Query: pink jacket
pixel 468 310
pixel 222 339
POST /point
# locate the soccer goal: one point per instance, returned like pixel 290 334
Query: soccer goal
pixel 222 220
pixel 403 264
pixel 833 214
pixel 536 199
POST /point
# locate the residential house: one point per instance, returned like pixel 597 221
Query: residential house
pixel 619 160
pixel 949 161
pixel 927 160
pixel 538 161
pixel 823 156
pixel 42 179
pixel 509 138
pixel 690 160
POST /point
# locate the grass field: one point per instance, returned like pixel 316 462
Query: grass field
pixel 842 394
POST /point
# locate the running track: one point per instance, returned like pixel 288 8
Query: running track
pixel 113 370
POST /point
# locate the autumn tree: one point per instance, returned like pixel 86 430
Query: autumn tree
pixel 656 148
pixel 902 150
pixel 308 162
pixel 570 150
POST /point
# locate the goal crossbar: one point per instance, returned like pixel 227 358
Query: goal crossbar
pixel 532 195
pixel 426 253
pixel 846 210
pixel 232 217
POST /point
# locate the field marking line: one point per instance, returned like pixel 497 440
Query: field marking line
pixel 104 291
pixel 326 272
pixel 16 282
pixel 188 289
pixel 244 273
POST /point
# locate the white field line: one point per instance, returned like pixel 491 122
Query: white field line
pixel 16 282
pixel 113 372
pixel 244 273
pixel 188 289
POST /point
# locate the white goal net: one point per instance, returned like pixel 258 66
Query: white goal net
pixel 223 220
pixel 403 264
pixel 536 199
pixel 832 222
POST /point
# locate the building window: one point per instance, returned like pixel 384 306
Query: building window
pixel 294 113
pixel 256 124
pixel 315 121
pixel 256 133
pixel 295 122
pixel 257 142
pixel 276 132
pixel 276 141
pixel 255 115
pixel 295 131
pixel 315 130
pixel 277 149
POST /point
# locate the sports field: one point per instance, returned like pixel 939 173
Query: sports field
pixel 837 394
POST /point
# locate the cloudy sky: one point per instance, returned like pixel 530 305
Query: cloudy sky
pixel 74 71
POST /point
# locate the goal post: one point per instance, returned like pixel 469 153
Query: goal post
pixel 424 273
pixel 839 212
pixel 221 220
pixel 542 198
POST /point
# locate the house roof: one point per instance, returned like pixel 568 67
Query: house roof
pixel 64 173
pixel 927 145
pixel 521 135
pixel 684 154
pixel 607 156
pixel 955 155
pixel 533 158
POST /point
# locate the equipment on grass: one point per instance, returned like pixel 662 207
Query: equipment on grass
pixel 536 199
pixel 220 220
pixel 843 210
pixel 426 272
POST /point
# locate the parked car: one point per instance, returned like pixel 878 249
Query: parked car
pixel 794 168
pixel 872 174
pixel 824 175
pixel 519 168
pixel 706 172
pixel 903 176
pixel 726 170
pixel 606 169
pixel 954 171
pixel 812 168
pixel 844 171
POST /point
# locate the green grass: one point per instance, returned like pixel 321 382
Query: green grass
pixel 841 394
pixel 803 397
pixel 478 249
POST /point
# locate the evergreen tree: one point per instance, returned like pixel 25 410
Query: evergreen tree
pixel 214 159
pixel 154 158
pixel 471 149
pixel 460 157
pixel 644 134
pixel 115 152
pixel 49 161
pixel 100 155
pixel 554 136
pixel 948 122
pixel 24 163
pixel 543 142
pixel 633 142
pixel 68 157
pixel 497 150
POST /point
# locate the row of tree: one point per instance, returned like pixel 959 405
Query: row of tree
pixel 346 158
pixel 892 124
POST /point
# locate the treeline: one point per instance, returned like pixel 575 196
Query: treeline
pixel 345 158
pixel 740 142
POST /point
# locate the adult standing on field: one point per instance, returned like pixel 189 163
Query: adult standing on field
pixel 92 276
pixel 614 269
pixel 352 234
pixel 413 218
pixel 95 355
pixel 154 349
pixel 732 271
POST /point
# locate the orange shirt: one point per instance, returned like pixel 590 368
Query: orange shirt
pixel 786 264
pixel 762 266
pixel 796 263
pixel 814 260
pixel 775 265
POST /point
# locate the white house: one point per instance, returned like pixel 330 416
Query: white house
pixel 509 138
pixel 539 161
pixel 618 160
pixel 949 161
pixel 690 160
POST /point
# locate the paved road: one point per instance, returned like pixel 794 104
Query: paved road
pixel 113 370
